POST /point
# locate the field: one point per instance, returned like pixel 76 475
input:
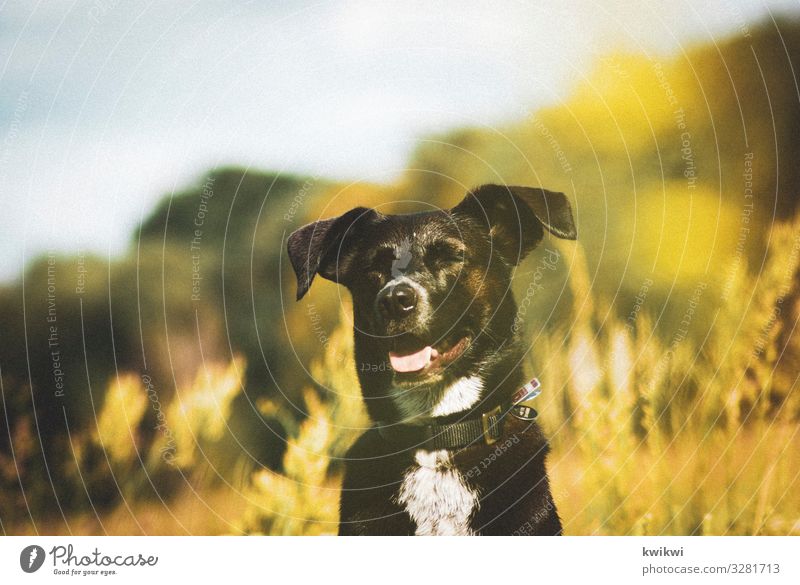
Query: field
pixel 191 394
pixel 647 438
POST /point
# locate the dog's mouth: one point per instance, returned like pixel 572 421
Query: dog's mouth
pixel 414 358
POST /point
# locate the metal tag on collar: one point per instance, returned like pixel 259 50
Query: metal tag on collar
pixel 524 412
pixel 491 431
pixel 528 392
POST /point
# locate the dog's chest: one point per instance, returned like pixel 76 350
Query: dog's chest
pixel 436 496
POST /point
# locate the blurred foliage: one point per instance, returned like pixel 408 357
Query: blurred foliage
pixel 197 397
pixel 304 499
pixel 657 436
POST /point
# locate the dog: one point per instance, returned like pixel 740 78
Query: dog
pixel 454 450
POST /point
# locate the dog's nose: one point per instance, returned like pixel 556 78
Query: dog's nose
pixel 397 301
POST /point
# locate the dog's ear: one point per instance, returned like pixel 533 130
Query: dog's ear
pixel 516 216
pixel 323 248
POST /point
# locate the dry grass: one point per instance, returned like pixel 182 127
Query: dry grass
pixel 649 436
pixel 678 437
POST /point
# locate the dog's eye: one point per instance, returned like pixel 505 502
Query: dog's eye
pixel 442 254
pixel 382 260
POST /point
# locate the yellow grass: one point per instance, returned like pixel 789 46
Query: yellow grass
pixel 649 436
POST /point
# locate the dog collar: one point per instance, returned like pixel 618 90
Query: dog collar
pixel 487 428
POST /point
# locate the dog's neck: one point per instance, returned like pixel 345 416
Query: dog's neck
pixel 421 406
pixel 475 393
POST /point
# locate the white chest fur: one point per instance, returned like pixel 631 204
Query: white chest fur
pixel 436 496
pixel 458 396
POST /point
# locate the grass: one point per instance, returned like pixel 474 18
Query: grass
pixel 651 434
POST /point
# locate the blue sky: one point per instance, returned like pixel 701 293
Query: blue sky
pixel 107 105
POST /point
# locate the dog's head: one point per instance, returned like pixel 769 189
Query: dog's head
pixel 433 309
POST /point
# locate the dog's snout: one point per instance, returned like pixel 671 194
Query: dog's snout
pixel 397 301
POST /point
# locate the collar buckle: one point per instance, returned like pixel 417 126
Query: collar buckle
pixel 491 425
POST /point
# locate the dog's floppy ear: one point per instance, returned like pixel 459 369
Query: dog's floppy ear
pixel 321 248
pixel 515 217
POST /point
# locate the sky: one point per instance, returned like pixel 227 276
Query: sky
pixel 108 105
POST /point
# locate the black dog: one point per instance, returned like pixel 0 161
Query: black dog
pixel 452 451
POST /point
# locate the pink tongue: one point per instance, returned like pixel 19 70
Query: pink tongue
pixel 412 362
